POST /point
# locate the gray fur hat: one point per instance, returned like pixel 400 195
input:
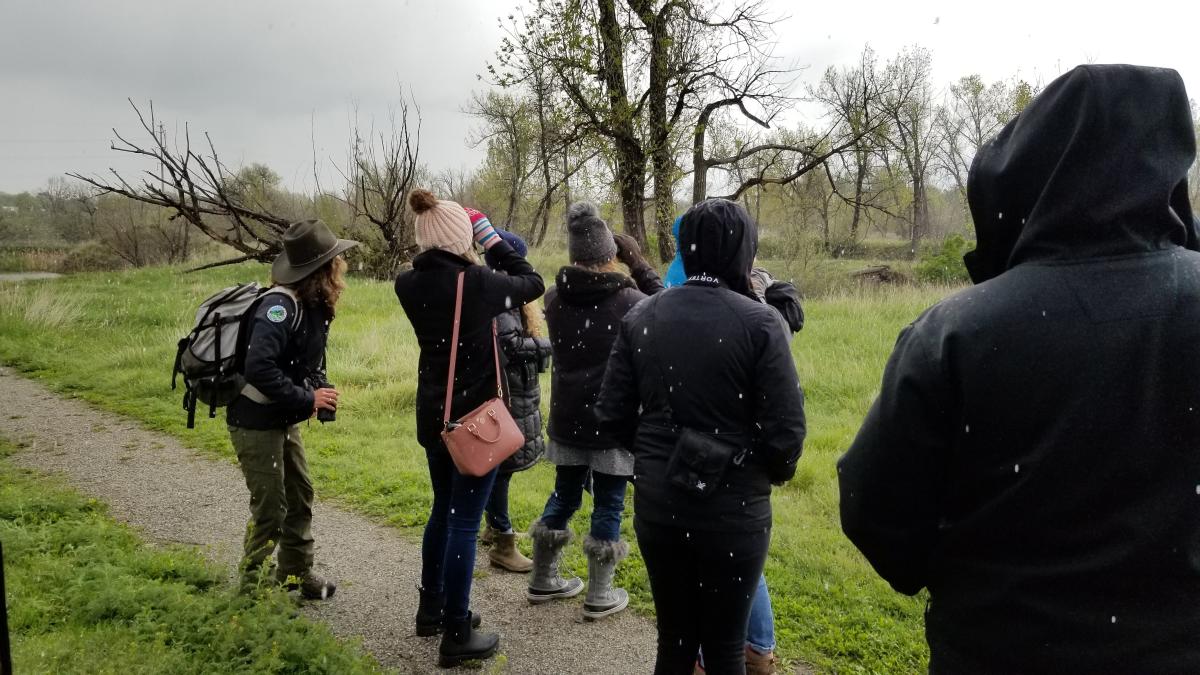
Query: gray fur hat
pixel 589 241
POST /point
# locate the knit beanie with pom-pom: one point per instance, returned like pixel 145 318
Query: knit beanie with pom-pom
pixel 440 223
pixel 589 241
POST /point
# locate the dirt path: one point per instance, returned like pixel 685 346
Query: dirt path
pixel 169 493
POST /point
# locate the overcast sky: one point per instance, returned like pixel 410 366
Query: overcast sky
pixel 265 76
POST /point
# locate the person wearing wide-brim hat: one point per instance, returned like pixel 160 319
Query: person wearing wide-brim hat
pixel 284 369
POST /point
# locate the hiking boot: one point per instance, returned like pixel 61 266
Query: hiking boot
pixel 545 584
pixel 311 586
pixel 461 642
pixel 488 536
pixel 602 599
pixel 759 663
pixel 504 553
pixel 431 614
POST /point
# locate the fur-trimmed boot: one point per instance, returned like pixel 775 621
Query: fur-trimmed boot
pixel 545 584
pixel 431 614
pixel 504 553
pixel 602 599
pixel 461 642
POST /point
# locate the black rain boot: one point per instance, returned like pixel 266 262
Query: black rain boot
pixel 461 643
pixel 431 614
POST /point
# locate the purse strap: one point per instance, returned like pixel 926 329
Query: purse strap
pixel 458 299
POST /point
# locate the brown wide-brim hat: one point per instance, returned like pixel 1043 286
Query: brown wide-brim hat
pixel 307 245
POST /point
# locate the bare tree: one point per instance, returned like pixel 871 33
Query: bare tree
pixel 508 129
pixel 455 184
pixel 972 113
pixel 196 187
pixel 853 98
pixel 908 104
pixel 383 168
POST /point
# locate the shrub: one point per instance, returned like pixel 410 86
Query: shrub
pixel 945 266
pixel 91 256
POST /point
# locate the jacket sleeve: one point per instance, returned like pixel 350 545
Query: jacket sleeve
pixel 268 340
pixel 779 410
pixel 891 479
pixel 619 401
pixel 517 348
pixel 520 285
pixel 646 278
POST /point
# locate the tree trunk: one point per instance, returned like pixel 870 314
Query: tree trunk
pixel 699 163
pixel 920 214
pixel 543 155
pixel 859 179
pixel 631 183
pixel 660 131
pixel 629 155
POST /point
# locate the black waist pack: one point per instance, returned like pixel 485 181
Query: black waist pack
pixel 700 461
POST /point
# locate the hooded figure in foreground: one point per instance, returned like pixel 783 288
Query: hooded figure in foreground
pixel 1032 458
pixel 702 388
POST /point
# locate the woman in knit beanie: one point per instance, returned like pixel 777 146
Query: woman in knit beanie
pixel 583 315
pixel 446 233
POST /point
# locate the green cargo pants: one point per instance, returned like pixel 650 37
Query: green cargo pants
pixel 281 499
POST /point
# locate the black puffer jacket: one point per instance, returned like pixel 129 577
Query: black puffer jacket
pixel 1032 457
pixel 524 358
pixel 280 362
pixel 583 314
pixel 717 358
pixel 426 293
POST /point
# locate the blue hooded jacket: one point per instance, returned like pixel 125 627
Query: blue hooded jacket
pixel 675 275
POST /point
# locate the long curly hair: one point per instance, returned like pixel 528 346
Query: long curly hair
pixel 534 319
pixel 323 287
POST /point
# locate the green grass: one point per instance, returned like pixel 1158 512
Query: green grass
pixel 110 339
pixel 86 595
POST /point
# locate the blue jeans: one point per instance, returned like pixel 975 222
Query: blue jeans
pixel 760 629
pixel 497 504
pixel 760 632
pixel 608 501
pixel 448 548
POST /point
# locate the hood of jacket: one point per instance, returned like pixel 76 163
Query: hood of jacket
pixel 719 240
pixel 579 286
pixel 1096 166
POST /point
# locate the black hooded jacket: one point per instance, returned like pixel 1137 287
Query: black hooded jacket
pixel 710 356
pixel 524 357
pixel 427 293
pixel 282 362
pixel 1032 458
pixel 583 314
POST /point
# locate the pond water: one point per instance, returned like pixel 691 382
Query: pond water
pixel 27 276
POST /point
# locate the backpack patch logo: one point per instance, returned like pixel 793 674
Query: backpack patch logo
pixel 277 314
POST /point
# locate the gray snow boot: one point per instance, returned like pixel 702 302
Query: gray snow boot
pixel 545 584
pixel 602 599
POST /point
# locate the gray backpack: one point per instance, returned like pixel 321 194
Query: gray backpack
pixel 212 356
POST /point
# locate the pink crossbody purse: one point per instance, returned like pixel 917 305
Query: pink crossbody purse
pixel 488 435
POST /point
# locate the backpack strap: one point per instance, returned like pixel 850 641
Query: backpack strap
pixel 284 290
